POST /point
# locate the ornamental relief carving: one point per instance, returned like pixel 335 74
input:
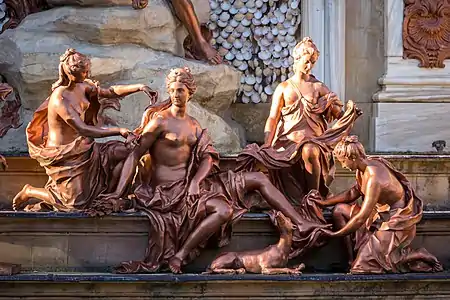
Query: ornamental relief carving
pixel 426 32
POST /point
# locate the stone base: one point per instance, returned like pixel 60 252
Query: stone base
pixel 191 286
pixel 429 175
pixel 411 126
pixel 69 242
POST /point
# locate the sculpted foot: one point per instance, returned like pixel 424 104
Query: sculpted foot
pixel 21 197
pixel 208 53
pixel 175 265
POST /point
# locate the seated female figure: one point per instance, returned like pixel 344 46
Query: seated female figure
pixel 179 188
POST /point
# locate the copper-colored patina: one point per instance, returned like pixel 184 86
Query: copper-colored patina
pixel 61 136
pixel 381 229
pixel 179 186
pixel 270 260
pixel 9 118
pixel 298 146
pixel 18 9
pixel 198 46
pixel 426 32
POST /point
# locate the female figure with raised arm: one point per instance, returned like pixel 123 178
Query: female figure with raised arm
pixel 61 136
pixel 381 229
pixel 180 189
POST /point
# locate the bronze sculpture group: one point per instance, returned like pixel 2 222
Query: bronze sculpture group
pixel 168 169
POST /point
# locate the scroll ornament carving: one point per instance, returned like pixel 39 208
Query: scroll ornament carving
pixel 426 32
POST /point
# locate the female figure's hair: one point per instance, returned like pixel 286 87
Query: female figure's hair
pixel 306 46
pixel 349 147
pixel 184 76
pixel 72 61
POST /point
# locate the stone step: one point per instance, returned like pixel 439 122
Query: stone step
pixel 71 242
pixel 428 174
pixel 193 286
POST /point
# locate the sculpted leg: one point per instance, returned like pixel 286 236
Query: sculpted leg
pixel 311 158
pixel 258 181
pixel 341 215
pixel 218 212
pixel 185 12
pixel 28 192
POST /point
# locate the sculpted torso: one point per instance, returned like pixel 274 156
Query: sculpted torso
pixel 377 176
pixel 62 105
pixel 172 148
pixel 311 91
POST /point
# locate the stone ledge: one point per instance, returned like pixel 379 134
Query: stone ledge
pixel 427 215
pixel 429 175
pixel 180 278
pixel 50 242
pixel 191 286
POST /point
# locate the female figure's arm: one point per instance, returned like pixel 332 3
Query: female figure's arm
pixel 348 196
pixel 274 115
pixel 72 118
pixel 148 137
pixel 371 196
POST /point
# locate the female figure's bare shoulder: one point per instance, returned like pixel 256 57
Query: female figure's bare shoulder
pixel 57 97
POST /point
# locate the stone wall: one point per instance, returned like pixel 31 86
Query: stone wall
pixel 413 105
pixel 364 60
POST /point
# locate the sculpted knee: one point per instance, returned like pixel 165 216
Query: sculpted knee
pixel 225 212
pixel 260 178
pixel 310 151
pixel 339 209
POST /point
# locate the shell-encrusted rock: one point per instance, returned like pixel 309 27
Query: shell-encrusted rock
pixel 256 37
pixel 268 90
pixel 255 98
pixel 229 56
pixel 263 97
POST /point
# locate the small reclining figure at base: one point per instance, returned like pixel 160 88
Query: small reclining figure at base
pixel 270 260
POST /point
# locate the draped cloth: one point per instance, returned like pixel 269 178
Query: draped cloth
pixel 302 122
pixel 79 171
pixel 173 215
pixel 383 243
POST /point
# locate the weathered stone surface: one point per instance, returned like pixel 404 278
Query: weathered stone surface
pixel 231 287
pixel 57 241
pixel 411 126
pixel 225 138
pixel 429 176
pixel 114 65
pixel 253 118
pixel 30 56
pixel 154 27
pixel 201 10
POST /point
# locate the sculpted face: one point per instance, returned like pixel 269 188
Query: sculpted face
pixel 306 62
pixel 77 75
pixel 348 163
pixel 179 94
